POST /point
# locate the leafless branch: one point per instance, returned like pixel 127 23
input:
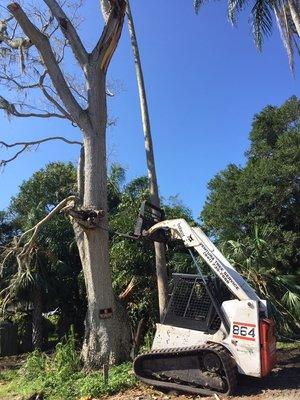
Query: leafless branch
pixel 12 42
pixel 29 145
pixel 55 103
pixel 77 92
pixel 7 106
pixel 11 109
pixel 51 99
pixel 69 32
pixel 18 84
pixel 36 229
pixel 42 44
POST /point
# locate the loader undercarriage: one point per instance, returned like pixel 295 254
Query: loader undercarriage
pixel 205 369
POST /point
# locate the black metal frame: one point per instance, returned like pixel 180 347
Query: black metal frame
pixel 199 311
pixel 150 215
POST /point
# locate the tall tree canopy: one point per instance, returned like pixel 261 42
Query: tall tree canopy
pixel 254 210
pixel 266 190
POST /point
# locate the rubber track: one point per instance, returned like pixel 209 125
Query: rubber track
pixel 228 364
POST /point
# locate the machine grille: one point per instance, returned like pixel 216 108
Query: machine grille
pixel 190 299
pixel 190 305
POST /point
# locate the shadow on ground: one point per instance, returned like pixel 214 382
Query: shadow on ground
pixel 286 376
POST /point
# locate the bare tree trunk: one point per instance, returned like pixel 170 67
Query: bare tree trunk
pixel 295 14
pixel 37 318
pixel 160 254
pixel 107 334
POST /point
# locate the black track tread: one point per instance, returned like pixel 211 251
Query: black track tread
pixel 228 364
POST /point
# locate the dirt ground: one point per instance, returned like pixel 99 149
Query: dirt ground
pixel 282 384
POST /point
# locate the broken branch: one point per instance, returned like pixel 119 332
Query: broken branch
pixel 23 254
pixel 111 33
pixel 36 229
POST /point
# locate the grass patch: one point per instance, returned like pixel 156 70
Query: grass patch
pixel 288 345
pixel 60 377
pixel 8 375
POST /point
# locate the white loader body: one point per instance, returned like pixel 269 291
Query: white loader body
pixel 245 348
pixel 242 315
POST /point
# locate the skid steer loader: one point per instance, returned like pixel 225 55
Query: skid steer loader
pixel 214 326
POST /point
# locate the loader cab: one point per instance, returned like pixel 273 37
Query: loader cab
pixel 190 306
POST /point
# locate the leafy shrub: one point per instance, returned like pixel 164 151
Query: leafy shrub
pixel 59 376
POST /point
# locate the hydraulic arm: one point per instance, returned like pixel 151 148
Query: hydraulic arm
pixel 194 237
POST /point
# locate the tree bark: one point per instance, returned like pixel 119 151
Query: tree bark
pixel 160 253
pixel 107 335
pixel 37 317
pixel 295 14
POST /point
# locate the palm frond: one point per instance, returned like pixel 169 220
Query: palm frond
pixel 197 5
pixel 286 32
pixel 292 301
pixel 261 21
pixel 234 7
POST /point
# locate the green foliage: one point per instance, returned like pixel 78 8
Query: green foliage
pixel 44 190
pixel 254 211
pixel 133 263
pixel 261 16
pixel 288 345
pixel 8 378
pixel 120 377
pixel 253 258
pixel 54 262
pixel 59 377
pixel 8 228
pixel 266 189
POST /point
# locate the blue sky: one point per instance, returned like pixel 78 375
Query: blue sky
pixel 205 81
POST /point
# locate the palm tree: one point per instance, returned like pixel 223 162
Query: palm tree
pixel 26 286
pixel 287 14
pixel 160 256
pixel 254 259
